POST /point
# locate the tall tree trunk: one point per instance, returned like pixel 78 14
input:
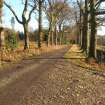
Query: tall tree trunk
pixel 85 28
pixel 82 46
pixel 49 34
pixel 60 35
pixel 52 37
pixel 92 48
pixel 80 28
pixel 40 24
pixel 56 36
pixel 85 25
pixel 26 37
pixel 78 33
pixel 84 33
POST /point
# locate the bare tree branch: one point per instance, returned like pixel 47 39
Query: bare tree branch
pixel 7 5
pixel 31 12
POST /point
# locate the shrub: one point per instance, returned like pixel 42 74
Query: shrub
pixel 11 40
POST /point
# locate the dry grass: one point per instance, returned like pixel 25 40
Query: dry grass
pixel 75 53
pixel 76 56
pixel 19 54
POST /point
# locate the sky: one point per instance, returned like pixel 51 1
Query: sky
pixel 33 24
pixel 18 7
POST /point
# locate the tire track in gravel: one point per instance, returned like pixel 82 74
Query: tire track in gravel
pixel 16 82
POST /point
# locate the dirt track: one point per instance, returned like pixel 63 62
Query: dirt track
pixel 51 80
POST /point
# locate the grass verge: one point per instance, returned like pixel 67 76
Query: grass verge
pixel 79 59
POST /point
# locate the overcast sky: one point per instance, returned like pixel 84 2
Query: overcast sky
pixel 18 7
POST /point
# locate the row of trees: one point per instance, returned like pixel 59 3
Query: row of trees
pixel 58 13
pixel 88 22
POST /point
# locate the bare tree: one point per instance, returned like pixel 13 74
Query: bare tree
pixel 40 6
pixel 25 20
pixel 65 16
pixel 90 7
pixel 85 26
pixel 55 14
pixel 94 11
